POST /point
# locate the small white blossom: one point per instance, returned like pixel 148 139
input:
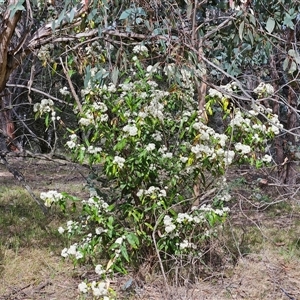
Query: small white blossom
pixel 170 228
pixel 83 288
pixel 167 155
pixel 50 197
pixel 140 193
pixel 99 270
pixel 120 161
pixel 64 252
pixel 119 240
pixel 215 93
pixel 244 149
pixel 131 130
pixel 71 144
pixel 267 158
pixel 61 230
pixel 64 91
pixel 140 49
pixel 150 147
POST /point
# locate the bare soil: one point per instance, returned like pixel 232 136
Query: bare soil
pixel 258 250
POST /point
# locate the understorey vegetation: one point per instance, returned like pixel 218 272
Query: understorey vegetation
pixel 160 100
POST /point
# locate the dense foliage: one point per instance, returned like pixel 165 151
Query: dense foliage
pixel 163 96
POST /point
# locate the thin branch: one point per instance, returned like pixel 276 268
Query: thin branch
pixel 39 92
pixel 66 71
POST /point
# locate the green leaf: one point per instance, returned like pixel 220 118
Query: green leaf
pixel 126 14
pixel 250 35
pixel 124 252
pixel 115 75
pixel 72 14
pixel 16 7
pixel 293 68
pixel 241 29
pixel 252 19
pixel 295 55
pixel 288 21
pixel 133 240
pixel 270 25
pixel 292 53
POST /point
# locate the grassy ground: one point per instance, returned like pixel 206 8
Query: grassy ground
pixel 256 254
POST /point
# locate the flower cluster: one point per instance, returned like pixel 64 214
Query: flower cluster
pixel 177 227
pixel 51 197
pixel 44 53
pixel 210 144
pixel 153 192
pixel 98 289
pixel 64 91
pixel 72 142
pixel 130 129
pixel 119 161
pixel 140 49
pixel 72 250
pixel 46 106
pixel 97 203
pixel 264 90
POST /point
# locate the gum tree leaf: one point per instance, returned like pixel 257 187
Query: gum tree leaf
pixel 270 25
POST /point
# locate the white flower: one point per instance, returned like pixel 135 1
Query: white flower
pixel 100 290
pixel 83 288
pixel 162 193
pixel 167 155
pixel 120 161
pixel 170 228
pixel 64 91
pixel 71 144
pixel 130 129
pixel 228 157
pixel 61 230
pixel 119 240
pixel 269 89
pixel 157 136
pixel 112 88
pixel 99 270
pixel 64 252
pixel 50 197
pixel 167 220
pixel 99 230
pixel 85 122
pixel 245 149
pixel 149 68
pixel 78 255
pixel 72 250
pixel 139 49
pixel 267 158
pixel 73 137
pixel 204 136
pixel 183 159
pixel 215 93
pixel 150 147
pixel 264 88
pixel 104 118
pixel 140 193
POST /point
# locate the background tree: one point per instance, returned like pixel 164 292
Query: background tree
pixel 247 42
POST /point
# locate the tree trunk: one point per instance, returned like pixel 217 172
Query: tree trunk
pixel 292 124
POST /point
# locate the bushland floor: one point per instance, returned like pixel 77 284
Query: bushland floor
pixel 255 256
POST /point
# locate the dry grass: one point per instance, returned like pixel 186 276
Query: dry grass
pixel 36 274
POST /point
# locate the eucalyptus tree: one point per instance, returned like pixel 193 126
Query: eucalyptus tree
pixel 219 41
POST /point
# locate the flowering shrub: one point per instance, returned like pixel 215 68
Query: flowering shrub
pixel 154 148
